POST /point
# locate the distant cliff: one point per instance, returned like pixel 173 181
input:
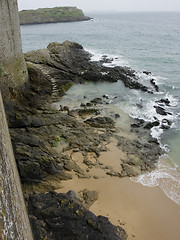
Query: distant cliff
pixel 52 15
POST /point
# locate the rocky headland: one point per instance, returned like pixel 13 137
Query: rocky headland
pixel 55 144
pixel 52 15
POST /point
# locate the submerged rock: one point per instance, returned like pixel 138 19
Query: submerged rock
pixel 166 101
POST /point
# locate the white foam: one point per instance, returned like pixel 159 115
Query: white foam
pixel 148 112
pixel 117 60
pixel 104 73
pixel 166 176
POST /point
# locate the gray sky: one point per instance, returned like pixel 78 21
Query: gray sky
pixel 105 5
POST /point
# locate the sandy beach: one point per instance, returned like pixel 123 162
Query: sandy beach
pixel 145 213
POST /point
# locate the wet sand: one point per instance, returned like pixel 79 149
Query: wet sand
pixel 145 213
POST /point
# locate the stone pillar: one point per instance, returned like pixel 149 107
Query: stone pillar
pixel 13 71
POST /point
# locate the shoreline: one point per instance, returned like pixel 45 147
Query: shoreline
pixel 65 21
pixel 84 146
pixel 144 212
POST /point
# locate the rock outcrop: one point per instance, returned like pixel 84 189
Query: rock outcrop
pixel 52 15
pixel 58 216
pixel 68 63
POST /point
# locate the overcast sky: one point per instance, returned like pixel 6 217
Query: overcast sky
pixel 105 5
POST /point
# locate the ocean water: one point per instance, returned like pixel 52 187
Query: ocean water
pixel 142 41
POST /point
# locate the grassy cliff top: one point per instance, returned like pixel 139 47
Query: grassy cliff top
pixel 51 15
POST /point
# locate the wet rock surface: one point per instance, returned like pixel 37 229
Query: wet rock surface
pixel 35 145
pixel 141 155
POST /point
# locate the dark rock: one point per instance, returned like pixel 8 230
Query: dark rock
pixel 117 115
pixel 57 216
pixel 106 96
pixel 153 82
pixel 106 59
pixel 141 155
pixel 89 104
pixel 97 101
pixel 100 122
pixel 161 111
pixel 149 125
pixel 71 195
pixel 138 123
pixel 65 108
pixel 139 105
pixel 165 101
pixel 147 72
pixel 166 124
pixel 68 62
pixel 87 111
pixel 135 125
pixel 83 105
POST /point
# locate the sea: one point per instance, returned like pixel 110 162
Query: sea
pixel 143 41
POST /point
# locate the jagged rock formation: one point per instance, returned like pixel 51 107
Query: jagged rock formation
pixel 13 72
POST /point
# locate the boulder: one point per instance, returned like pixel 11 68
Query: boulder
pixel 101 122
pixel 149 125
pixel 161 111
pixel 153 82
pixel 166 101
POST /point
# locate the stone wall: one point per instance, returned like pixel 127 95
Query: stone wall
pixel 15 219
pixel 13 72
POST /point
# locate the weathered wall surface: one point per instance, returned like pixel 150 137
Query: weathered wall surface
pixel 13 72
pixel 15 218
pixel 13 75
